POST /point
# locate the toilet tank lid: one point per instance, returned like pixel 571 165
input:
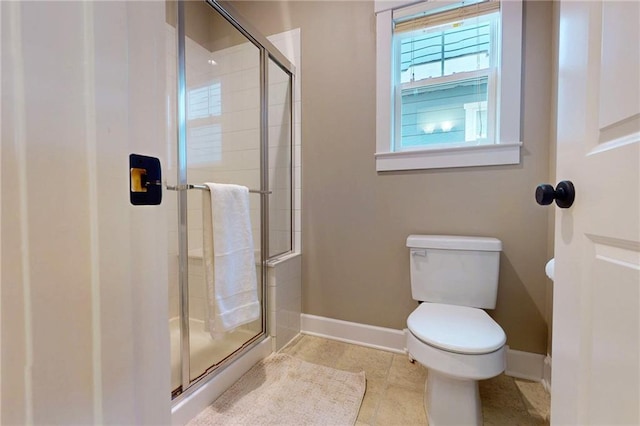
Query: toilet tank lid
pixel 454 242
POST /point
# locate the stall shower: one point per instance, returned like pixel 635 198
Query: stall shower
pixel 229 115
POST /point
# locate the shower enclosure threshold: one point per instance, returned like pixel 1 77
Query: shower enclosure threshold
pixel 204 355
pixel 200 395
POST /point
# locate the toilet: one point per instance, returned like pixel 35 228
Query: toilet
pixel 454 278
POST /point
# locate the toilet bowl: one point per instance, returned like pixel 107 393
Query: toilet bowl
pixel 459 346
pixel 454 278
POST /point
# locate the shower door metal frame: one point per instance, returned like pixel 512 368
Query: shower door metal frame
pixel 267 51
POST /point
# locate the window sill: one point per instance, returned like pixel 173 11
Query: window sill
pixel 439 158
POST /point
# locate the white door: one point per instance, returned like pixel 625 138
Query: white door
pixel 84 333
pixel 596 329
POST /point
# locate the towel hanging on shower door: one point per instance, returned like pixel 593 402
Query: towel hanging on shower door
pixel 229 262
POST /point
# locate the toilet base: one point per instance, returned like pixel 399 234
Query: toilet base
pixel 450 401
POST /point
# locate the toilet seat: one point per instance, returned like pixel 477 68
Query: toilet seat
pixel 458 329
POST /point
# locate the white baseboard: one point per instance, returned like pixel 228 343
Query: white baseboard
pixel 371 336
pixel 524 365
pixel 546 374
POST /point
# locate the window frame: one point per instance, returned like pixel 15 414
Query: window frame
pixel 505 148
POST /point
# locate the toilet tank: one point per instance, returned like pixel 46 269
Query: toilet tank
pixel 455 270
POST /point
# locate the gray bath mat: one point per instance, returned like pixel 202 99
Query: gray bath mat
pixel 283 390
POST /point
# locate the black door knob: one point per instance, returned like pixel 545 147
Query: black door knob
pixel 564 194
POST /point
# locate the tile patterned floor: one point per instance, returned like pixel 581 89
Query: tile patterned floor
pixel 395 387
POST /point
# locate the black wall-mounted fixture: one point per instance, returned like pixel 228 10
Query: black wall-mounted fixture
pixel 145 180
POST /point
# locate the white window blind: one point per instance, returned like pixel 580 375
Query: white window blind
pixel 435 17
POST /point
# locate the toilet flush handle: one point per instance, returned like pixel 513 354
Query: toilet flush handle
pixel 421 253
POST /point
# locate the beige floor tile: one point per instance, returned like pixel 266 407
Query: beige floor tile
pixel 536 400
pixel 372 397
pixel 293 346
pixel 375 363
pixel 401 406
pixel 318 350
pixel 395 387
pixel 500 392
pixel 496 416
pixel 407 374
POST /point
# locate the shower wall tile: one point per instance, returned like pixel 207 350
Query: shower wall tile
pixel 297 133
pixel 297 221
pixel 241 140
pixel 194 237
pixel 271 303
pixel 276 112
pixel 251 78
pixel 297 155
pixel 297 200
pixel 298 241
pixel 248 178
pixel 197 290
pixel 196 270
pixel 286 304
pixel 279 180
pixel 278 89
pixel 194 215
pixel 197 308
pixel 297 177
pixel 297 107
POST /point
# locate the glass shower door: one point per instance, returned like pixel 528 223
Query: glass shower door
pixel 223 145
pixel 231 110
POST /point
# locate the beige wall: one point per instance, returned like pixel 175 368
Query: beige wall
pixel 355 221
pixel 208 29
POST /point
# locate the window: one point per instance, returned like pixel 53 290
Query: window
pixel 445 97
pixel 440 67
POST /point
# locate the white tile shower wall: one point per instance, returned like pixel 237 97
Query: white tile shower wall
pixel 223 137
pixel 197 291
pixel 197 286
pixel 285 275
pixel 289 44
pixel 235 158
pixel 280 160
pixel 285 299
pixel 223 143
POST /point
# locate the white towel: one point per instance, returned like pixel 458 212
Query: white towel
pixel 229 263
